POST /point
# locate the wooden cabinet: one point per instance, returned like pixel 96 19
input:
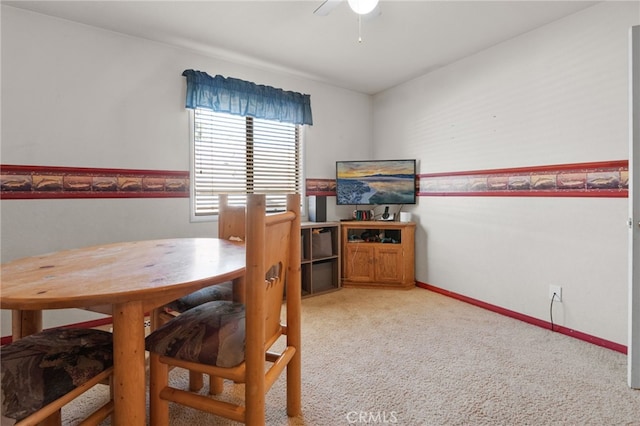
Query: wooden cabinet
pixel 320 264
pixel 378 254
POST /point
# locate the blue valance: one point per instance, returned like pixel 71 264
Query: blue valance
pixel 239 97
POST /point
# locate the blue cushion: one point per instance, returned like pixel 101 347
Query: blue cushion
pixel 212 333
pixel 40 368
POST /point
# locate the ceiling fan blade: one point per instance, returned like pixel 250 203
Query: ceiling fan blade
pixel 326 7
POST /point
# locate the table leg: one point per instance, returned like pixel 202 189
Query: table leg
pixel 24 323
pixel 129 365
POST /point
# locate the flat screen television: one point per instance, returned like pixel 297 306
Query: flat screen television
pixel 376 182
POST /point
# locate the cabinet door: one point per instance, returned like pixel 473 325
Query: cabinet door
pixel 359 262
pixel 388 263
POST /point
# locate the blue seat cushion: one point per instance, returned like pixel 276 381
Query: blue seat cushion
pixel 212 333
pixel 222 291
pixel 40 368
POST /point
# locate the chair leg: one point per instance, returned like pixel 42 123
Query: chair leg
pixel 195 381
pixel 159 379
pixel 294 391
pixel 216 385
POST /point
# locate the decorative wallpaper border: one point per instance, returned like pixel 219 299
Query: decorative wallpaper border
pixel 601 179
pixel 320 187
pixel 43 182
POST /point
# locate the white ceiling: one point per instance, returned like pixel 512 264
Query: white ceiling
pixel 407 39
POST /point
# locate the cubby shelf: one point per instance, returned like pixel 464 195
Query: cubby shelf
pixel 320 257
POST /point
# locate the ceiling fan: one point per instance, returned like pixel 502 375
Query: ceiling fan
pixel 370 8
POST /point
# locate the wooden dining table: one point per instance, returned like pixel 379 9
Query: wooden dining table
pixel 126 280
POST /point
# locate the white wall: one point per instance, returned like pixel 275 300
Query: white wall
pixel 78 96
pixel 555 95
pixel 73 95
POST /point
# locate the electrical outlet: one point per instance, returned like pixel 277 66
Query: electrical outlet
pixel 557 290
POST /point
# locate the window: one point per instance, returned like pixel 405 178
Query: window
pixel 237 155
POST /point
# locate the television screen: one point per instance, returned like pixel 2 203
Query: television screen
pixel 376 182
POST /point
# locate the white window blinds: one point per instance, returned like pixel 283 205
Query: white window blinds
pixel 239 155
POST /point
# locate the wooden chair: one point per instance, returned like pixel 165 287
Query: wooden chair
pixel 43 372
pixel 233 340
pixel 230 220
pixel 231 226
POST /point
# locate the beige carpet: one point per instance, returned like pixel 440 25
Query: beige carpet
pixel 420 358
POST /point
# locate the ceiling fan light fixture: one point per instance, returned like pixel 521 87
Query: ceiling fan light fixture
pixel 362 7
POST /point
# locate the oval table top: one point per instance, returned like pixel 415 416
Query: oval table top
pixel 154 271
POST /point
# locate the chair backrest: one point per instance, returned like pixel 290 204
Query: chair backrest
pixel 273 259
pixel 231 219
